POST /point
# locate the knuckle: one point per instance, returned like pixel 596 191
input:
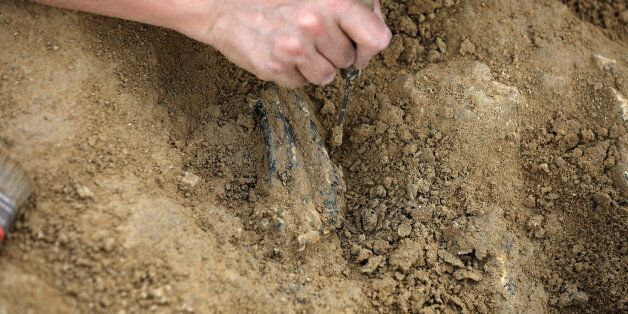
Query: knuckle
pixel 289 45
pixel 326 77
pixel 311 22
pixel 349 60
pixel 379 41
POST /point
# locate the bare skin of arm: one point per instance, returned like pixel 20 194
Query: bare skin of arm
pixel 291 42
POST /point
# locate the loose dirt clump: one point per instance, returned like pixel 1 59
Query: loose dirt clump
pixel 484 156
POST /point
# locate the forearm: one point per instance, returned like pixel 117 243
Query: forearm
pixel 174 14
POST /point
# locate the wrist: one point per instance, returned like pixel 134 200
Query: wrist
pixel 194 18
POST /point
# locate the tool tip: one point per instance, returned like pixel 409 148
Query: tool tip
pixel 349 73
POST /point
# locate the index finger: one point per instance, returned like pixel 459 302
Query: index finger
pixel 367 29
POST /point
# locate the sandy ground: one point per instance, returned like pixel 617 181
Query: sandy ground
pixel 485 166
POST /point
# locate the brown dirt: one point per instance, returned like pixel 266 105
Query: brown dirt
pixel 485 159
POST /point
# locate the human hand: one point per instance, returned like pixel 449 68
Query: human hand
pixel 292 42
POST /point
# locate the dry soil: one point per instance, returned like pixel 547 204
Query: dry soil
pixel 485 158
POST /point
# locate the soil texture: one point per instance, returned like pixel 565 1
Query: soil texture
pixel 483 167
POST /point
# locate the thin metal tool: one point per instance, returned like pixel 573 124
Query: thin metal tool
pixel 348 75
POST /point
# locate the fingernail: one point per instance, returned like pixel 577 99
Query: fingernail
pixel 361 66
pixel 330 79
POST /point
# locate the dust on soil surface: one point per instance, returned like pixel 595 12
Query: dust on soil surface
pixel 485 158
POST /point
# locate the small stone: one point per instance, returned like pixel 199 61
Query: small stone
pixel 84 192
pixel 462 274
pixel 264 223
pixel 190 179
pixel 308 238
pixel 55 48
pixel 544 167
pixel 108 244
pixel 156 293
pixel 450 259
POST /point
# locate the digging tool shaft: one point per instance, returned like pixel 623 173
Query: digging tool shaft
pixel 349 74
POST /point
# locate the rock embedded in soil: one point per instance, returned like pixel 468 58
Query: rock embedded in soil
pixel 473 274
pixel 450 259
pixel 190 179
pixel 83 192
